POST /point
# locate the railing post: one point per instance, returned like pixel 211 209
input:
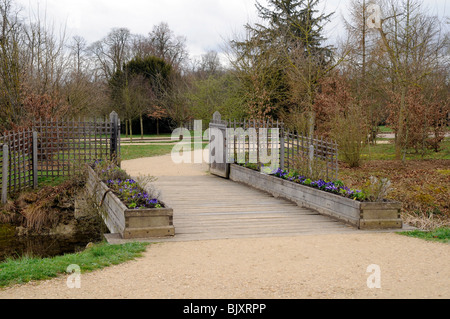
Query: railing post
pixel 311 155
pixel 282 147
pixel 114 118
pixel 5 174
pixel 34 160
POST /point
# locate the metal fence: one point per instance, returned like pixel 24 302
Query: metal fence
pixel 247 142
pixel 313 157
pixel 55 148
pixel 17 161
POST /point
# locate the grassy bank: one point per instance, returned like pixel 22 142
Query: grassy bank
pixel 26 269
pixel 441 235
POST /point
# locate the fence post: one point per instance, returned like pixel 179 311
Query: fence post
pixel 114 118
pixel 5 174
pixel 282 147
pixel 34 161
pixel 311 155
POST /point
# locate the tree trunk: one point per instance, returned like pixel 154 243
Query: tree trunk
pixel 142 126
pixel 131 130
pixel 401 126
pixel 311 123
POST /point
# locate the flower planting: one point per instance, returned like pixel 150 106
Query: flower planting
pixel 362 209
pixel 124 187
pixel 335 187
pixel 131 194
pixel 130 208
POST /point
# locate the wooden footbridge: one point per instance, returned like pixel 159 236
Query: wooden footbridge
pixel 209 207
pixel 206 205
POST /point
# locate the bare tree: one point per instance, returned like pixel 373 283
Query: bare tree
pixel 112 52
pixel 78 52
pixel 175 100
pixel 415 47
pixel 167 46
pixel 10 66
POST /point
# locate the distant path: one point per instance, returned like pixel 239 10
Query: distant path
pixel 392 135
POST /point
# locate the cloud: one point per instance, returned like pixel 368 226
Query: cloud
pixel 204 23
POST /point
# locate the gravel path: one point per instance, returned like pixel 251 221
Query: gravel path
pixel 303 267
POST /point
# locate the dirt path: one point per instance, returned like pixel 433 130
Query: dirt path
pixel 310 266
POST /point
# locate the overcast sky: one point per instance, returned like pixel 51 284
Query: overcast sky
pixel 204 23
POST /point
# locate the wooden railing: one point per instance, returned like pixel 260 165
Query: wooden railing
pixel 313 157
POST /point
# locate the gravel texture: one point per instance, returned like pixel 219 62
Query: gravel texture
pixel 322 266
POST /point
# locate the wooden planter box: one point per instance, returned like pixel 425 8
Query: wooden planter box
pixel 363 215
pixel 129 223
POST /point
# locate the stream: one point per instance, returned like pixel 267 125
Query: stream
pixel 14 247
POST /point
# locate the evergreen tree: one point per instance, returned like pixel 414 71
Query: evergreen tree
pixel 284 57
pixel 294 23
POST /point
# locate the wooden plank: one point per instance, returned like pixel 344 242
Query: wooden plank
pixel 206 207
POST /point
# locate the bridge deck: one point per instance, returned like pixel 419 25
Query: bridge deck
pixel 209 207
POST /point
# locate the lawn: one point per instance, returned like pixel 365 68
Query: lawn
pixel 147 136
pixel 129 152
pixel 383 151
pixel 385 129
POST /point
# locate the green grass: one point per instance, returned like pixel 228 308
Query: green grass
pixel 139 141
pixel 129 152
pixel 138 136
pixel 44 181
pixel 162 135
pixel 387 152
pixel 439 235
pixel 26 269
pixel 385 129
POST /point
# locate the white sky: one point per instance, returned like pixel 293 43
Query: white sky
pixel 205 23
